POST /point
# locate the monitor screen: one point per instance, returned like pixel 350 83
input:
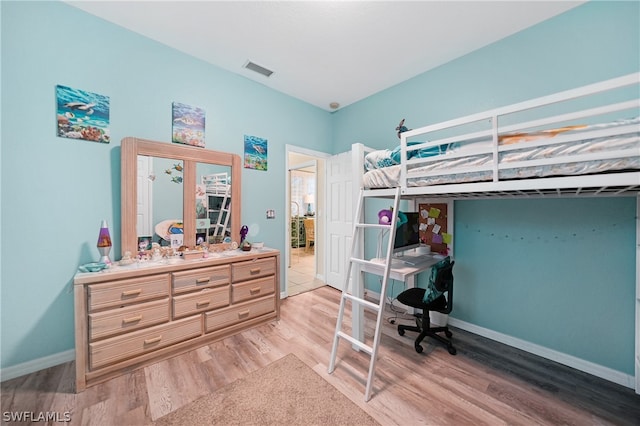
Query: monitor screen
pixel 407 234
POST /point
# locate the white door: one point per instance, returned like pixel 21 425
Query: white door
pixel 340 202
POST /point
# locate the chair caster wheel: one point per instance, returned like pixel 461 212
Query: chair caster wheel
pixel 448 333
pixel 452 350
pixel 400 331
pixel 418 349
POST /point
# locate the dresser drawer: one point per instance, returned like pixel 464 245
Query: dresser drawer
pixel 206 299
pixel 121 320
pixel 253 289
pixel 228 316
pixel 201 278
pixel 119 348
pixel 253 269
pixel 120 292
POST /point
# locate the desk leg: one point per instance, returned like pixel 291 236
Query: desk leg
pixel 411 283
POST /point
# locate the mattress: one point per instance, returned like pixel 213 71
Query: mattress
pixel 463 168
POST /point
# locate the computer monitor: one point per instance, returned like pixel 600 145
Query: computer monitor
pixel 407 234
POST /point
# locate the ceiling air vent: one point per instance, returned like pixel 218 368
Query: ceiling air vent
pixel 257 68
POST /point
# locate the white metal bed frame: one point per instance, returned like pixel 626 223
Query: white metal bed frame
pixel 623 183
pixel 596 184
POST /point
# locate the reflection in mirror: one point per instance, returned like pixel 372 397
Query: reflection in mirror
pixel 213 203
pixel 173 191
pixel 159 203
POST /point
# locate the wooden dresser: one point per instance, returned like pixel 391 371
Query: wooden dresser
pixel 131 316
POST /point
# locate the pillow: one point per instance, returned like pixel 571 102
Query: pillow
pixel 378 159
pixel 436 289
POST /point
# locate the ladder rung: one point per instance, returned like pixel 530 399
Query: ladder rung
pixel 379 193
pixel 356 342
pixel 368 304
pixel 369 262
pixel 373 225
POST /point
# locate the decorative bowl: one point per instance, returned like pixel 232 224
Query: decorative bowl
pixel 258 246
pixel 92 267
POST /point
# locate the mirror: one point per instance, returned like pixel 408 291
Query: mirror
pixel 159 200
pixel 213 201
pixel 155 196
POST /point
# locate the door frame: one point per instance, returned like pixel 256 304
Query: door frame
pixel 320 207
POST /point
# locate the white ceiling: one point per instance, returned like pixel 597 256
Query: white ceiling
pixel 327 51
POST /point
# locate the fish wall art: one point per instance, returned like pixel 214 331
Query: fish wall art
pixel 82 115
pixel 188 125
pixel 255 153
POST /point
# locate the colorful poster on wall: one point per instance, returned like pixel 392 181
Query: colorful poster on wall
pixel 434 221
pixel 82 115
pixel 255 153
pixel 188 125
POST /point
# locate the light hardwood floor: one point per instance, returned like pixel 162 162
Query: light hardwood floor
pixel 302 273
pixel 486 383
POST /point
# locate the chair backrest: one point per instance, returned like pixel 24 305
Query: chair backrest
pixel 309 228
pixel 444 277
pixel 444 281
pixel 441 285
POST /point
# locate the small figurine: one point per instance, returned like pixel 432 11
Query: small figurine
pixel 243 233
pixel 126 258
pixel 156 255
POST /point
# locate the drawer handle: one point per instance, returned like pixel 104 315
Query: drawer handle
pixel 202 303
pixel 254 271
pixel 202 280
pixel 132 292
pixel 152 340
pixel 244 313
pixel 254 290
pixel 131 319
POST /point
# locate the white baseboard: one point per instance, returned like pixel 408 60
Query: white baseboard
pixel 597 370
pixel 32 366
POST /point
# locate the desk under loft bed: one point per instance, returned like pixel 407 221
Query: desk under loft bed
pixel 583 142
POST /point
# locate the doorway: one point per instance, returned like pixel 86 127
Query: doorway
pixel 305 220
pixel 302 243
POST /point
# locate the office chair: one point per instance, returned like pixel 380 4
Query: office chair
pixel 438 297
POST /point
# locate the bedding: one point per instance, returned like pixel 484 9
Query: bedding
pixel 386 158
pixel 522 147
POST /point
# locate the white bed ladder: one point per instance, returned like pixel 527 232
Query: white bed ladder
pixel 357 302
pixel 217 185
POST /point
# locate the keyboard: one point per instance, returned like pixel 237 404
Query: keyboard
pixel 382 261
pixel 416 260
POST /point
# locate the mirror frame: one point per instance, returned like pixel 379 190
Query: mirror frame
pixel 132 147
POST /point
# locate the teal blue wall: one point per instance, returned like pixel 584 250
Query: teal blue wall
pixel 55 191
pixel 558 273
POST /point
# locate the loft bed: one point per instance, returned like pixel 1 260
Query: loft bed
pixel 583 142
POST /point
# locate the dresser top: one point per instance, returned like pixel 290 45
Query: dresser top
pixel 136 269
